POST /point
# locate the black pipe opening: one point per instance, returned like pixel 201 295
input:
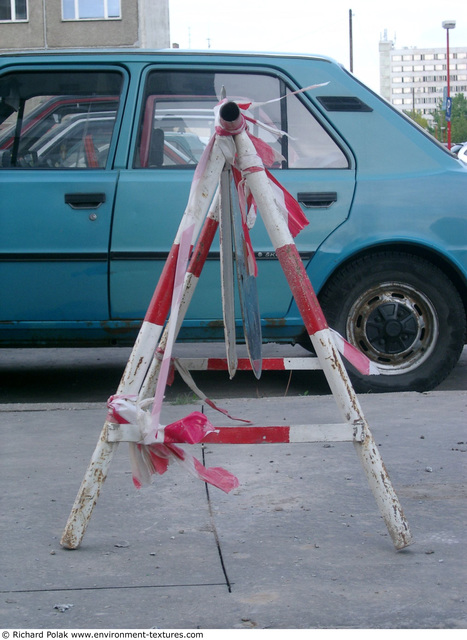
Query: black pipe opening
pixel 229 112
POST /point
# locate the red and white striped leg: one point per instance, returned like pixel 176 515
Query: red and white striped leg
pixel 323 343
pixel 202 193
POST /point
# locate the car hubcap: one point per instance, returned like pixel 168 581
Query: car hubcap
pixel 394 325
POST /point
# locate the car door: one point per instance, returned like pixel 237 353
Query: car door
pixel 56 145
pixel 175 122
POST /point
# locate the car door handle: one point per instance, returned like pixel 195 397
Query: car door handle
pixel 318 199
pixel 84 200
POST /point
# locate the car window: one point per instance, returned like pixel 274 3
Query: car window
pixel 53 120
pixel 78 141
pixel 176 120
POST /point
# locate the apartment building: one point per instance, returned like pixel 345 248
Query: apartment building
pixel 416 79
pixel 58 24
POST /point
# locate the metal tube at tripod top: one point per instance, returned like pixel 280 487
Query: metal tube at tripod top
pixel 230 117
pixel 229 111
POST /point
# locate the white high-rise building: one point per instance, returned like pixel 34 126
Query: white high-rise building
pixel 415 79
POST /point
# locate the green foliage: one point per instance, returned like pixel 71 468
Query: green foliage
pixel 458 120
pixel 185 398
pixel 417 117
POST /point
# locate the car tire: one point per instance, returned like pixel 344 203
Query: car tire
pixel 404 314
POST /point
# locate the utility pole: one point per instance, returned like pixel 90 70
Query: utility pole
pixel 351 40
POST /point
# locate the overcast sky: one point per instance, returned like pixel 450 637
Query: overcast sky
pixel 301 26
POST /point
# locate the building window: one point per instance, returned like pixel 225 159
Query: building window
pixel 91 9
pixel 13 10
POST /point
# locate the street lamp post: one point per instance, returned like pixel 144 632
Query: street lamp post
pixel 448 24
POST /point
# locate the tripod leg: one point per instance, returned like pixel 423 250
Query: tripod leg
pixel 130 383
pixel 324 345
pixel 198 259
pixel 142 354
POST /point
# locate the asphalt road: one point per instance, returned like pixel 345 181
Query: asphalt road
pixel 92 375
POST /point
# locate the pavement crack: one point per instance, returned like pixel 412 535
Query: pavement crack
pixel 214 530
pixel 113 587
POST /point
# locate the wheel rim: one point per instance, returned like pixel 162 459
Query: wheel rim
pixel 395 325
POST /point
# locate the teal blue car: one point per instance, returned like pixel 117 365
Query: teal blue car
pixel 97 153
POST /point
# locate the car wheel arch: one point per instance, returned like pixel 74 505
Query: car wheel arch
pixel 413 297
pixel 429 254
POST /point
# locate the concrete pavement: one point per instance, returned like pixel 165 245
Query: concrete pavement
pixel 300 544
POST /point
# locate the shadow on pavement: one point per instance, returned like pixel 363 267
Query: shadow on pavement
pixel 92 375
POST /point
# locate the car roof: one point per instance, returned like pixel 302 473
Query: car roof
pixel 133 53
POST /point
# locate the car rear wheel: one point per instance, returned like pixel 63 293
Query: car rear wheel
pixel 404 314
